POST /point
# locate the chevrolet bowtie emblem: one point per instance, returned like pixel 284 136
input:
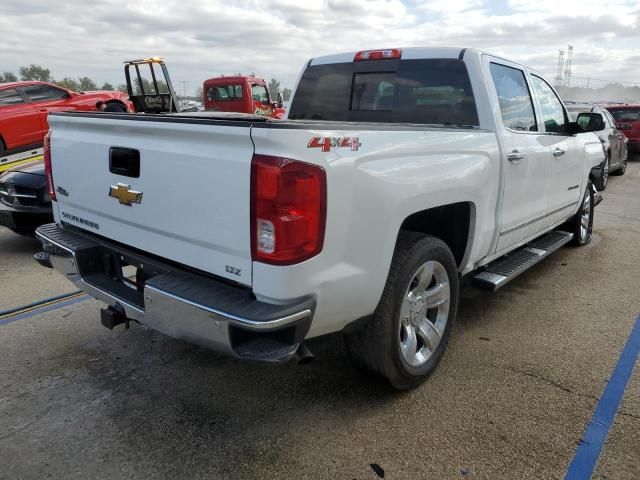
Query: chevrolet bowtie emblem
pixel 124 195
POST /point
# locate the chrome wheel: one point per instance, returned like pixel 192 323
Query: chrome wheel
pixel 585 217
pixel 424 313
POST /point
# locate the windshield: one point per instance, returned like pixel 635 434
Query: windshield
pixel 433 91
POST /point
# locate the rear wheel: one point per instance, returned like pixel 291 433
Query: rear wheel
pixel 582 223
pixel 408 333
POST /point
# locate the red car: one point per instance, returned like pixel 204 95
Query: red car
pixel 24 107
pixel 628 120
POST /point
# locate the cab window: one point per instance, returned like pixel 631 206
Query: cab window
pixel 10 96
pixel 44 93
pixel 516 106
pixel 222 93
pixel 259 93
pixel 551 109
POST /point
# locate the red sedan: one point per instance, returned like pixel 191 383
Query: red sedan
pixel 24 107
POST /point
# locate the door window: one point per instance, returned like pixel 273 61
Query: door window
pixel 10 96
pixel 551 109
pixel 44 93
pixel 516 106
pixel 259 93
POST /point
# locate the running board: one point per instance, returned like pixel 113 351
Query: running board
pixel 506 268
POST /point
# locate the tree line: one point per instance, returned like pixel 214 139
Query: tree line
pixel 39 73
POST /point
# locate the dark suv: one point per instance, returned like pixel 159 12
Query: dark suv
pixel 613 140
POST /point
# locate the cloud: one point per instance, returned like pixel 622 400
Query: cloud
pixel 273 38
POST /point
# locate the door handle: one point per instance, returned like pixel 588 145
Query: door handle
pixel 515 156
pixel 558 152
pixel 43 109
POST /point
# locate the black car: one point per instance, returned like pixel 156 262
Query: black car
pixel 24 198
pixel 613 140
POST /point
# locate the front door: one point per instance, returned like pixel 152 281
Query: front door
pixel 46 99
pixel 525 157
pixel 20 121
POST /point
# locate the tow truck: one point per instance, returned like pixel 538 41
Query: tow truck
pixel 243 94
pixel 149 95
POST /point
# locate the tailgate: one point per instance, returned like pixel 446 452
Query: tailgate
pixel 194 181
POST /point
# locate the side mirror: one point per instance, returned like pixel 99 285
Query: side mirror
pixel 624 126
pixel 590 122
pixel 280 100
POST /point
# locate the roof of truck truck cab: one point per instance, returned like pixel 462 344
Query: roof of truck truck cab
pixel 415 53
pixel 234 79
pixel 408 53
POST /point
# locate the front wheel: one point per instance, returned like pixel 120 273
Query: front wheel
pixel 581 225
pixel 408 333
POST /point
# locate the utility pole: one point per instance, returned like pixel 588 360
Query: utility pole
pixel 560 61
pixel 567 72
pixel 184 87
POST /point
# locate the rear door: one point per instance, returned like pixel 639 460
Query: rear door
pixel 525 156
pixel 619 136
pixel 567 157
pixel 19 121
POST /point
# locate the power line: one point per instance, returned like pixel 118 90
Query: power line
pixel 603 80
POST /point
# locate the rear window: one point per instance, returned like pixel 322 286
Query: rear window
pixel 625 114
pixel 433 91
pixel 223 93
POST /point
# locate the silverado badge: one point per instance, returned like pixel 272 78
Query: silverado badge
pixel 124 194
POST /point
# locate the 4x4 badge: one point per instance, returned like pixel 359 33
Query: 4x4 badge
pixel 124 194
pixel 327 143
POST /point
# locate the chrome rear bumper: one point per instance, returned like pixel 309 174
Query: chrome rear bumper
pixel 176 302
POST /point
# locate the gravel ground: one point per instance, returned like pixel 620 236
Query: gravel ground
pixel 511 398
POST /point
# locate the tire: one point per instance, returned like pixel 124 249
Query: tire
pixel 623 168
pixel 406 350
pixel 2 149
pixel 601 181
pixel 581 225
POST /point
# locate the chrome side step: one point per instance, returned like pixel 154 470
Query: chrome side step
pixel 506 268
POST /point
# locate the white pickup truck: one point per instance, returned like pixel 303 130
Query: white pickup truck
pixel 396 173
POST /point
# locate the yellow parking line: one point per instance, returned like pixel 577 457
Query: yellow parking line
pixel 7 166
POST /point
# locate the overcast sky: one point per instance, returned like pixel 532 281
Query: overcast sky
pixel 273 38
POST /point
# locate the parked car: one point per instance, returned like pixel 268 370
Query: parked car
pixel 24 107
pixel 628 120
pixel 613 141
pixel 397 172
pixel 25 203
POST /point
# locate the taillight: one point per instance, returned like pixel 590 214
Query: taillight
pixel 288 210
pixel 47 166
pixel 389 54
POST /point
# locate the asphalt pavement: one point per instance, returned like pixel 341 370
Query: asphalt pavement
pixel 511 398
